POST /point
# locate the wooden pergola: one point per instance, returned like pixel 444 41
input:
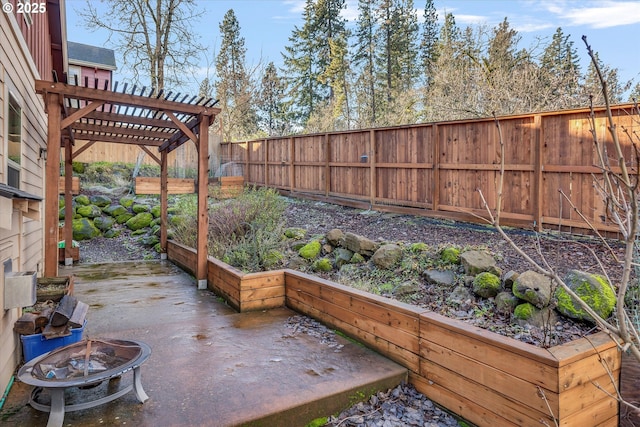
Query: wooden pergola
pixel 155 121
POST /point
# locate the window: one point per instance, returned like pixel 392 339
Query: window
pixel 24 9
pixel 14 143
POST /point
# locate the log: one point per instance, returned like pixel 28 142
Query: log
pixel 26 324
pixel 43 319
pixel 50 332
pixel 79 314
pixel 63 312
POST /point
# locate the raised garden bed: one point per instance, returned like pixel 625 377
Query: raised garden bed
pixel 482 376
pixel 53 288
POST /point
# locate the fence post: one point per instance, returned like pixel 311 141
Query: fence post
pixel 266 163
pixel 246 162
pixel 435 193
pixel 373 191
pixel 327 168
pixel 537 185
pixel 292 176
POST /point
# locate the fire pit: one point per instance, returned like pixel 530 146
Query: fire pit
pixel 83 364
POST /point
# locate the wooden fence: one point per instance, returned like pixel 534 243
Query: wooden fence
pixel 436 169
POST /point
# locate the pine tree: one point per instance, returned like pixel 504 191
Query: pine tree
pixel 593 89
pixel 271 102
pixel 364 58
pixel 561 72
pixel 428 51
pixel 234 87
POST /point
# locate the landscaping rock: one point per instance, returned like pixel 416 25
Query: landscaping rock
pixel 528 314
pixel 592 289
pixel 156 211
pixel 439 277
pixel 127 201
pixel 311 250
pixel 418 247
pixel 509 278
pixel 295 233
pixel 82 200
pixel 406 289
pixel 335 237
pixel 123 218
pixel 387 256
pixel 506 302
pixel 486 285
pixel 138 208
pixel 476 262
pixel 342 256
pixel 322 264
pixel 114 210
pixel 357 259
pixel 360 244
pixel 104 223
pixel 149 240
pixel 533 287
pixel 84 229
pixel 89 211
pixel 461 297
pixel 297 263
pixel 450 255
pixel 100 200
pixel 141 220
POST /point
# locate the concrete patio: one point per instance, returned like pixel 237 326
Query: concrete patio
pixel 210 366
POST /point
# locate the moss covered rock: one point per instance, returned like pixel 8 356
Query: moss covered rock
pixel 89 211
pixel 141 220
pixel 138 208
pixel 156 211
pixel 525 311
pixel 149 240
pixel 592 289
pixel 486 285
pixel 104 222
pixel 311 250
pixel 100 200
pixel 62 212
pixel 78 167
pixel 127 201
pixel 322 264
pixel 418 247
pixel 272 259
pixel 121 219
pixel 387 256
pixel 533 287
pixel 84 229
pixel 295 233
pixel 110 234
pixel 357 259
pixel 82 200
pixel 114 210
pixel 450 255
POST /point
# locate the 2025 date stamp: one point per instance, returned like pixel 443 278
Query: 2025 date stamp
pixel 24 7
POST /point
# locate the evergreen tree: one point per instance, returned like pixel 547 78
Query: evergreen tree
pixel 364 58
pixel 592 87
pixel 428 51
pixel 271 104
pixel 234 87
pixel 560 72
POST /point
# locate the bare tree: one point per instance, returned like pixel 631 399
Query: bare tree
pixel 619 187
pixel 154 38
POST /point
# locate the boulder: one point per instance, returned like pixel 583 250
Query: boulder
pixel 127 201
pixel 486 285
pixel 100 200
pixel 335 237
pixel 357 259
pixel 110 234
pixel 103 223
pixel 138 208
pixel 89 211
pixel 156 211
pixel 295 233
pixel 439 277
pixel 476 262
pixel 311 250
pixel 533 287
pixel 149 240
pixel 406 289
pixel 360 244
pixel 82 200
pixel 114 210
pixel 342 256
pixel 506 302
pixel 322 264
pixel 387 255
pixel 509 278
pixel 123 218
pixel 528 314
pixel 461 296
pixel 592 289
pixel 141 220
pixel 84 229
pixel 450 255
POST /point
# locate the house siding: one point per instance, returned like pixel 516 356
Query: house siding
pixel 20 60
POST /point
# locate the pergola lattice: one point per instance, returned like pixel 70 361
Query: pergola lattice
pixel 160 121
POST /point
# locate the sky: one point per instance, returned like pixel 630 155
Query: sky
pixel 611 27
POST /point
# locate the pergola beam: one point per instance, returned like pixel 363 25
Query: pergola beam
pixel 118 139
pixel 115 118
pixel 123 130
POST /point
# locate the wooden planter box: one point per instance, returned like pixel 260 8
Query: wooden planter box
pixel 484 377
pixel 75 254
pixel 53 288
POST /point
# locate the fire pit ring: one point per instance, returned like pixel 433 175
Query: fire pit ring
pixel 83 364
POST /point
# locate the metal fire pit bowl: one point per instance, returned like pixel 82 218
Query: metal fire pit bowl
pixel 83 364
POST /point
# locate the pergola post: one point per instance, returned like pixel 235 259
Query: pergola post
pixel 203 196
pixel 68 201
pixel 52 178
pixel 164 205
